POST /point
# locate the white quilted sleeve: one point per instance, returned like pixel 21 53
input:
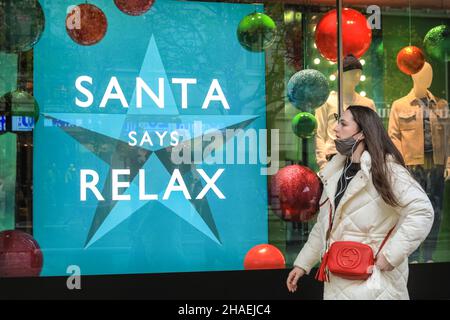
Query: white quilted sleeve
pixel 416 217
pixel 311 252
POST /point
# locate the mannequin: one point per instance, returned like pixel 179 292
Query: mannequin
pixel 422 81
pixel 326 114
pixel 351 80
pixel 416 126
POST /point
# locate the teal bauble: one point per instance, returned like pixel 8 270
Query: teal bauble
pixel 22 23
pixel 437 43
pixel 304 125
pixel 256 32
pixel 308 89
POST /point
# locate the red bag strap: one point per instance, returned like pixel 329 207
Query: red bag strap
pixel 330 221
pixel 322 272
pixel 385 240
pixel 330 225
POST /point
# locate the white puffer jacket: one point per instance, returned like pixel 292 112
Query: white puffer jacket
pixel 363 216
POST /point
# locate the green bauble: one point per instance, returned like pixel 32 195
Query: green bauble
pixel 22 104
pixel 256 32
pixel 437 43
pixel 304 125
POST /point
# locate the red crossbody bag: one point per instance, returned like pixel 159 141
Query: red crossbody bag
pixel 347 259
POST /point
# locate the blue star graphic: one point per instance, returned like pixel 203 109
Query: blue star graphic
pixel 113 129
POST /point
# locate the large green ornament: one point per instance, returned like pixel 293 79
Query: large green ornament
pixel 308 89
pixel 256 32
pixel 304 125
pixel 21 24
pixel 21 104
pixel 437 43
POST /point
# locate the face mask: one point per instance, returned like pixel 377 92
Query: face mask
pixel 347 146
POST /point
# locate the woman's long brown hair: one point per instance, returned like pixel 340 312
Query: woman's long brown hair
pixel 379 146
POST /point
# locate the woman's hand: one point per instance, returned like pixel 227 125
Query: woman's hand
pixel 293 277
pixel 383 264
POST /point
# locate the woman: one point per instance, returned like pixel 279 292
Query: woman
pixel 370 191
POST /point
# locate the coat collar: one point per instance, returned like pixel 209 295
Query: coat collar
pixel 333 171
pixel 337 164
pixel 412 99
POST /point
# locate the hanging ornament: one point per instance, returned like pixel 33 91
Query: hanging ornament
pixel 437 43
pixel 356 34
pixel 20 255
pixel 21 103
pixel 86 24
pixel 304 125
pixel 308 89
pixel 298 190
pixel 256 32
pixel 22 23
pixel 410 60
pixel 264 256
pixel 134 7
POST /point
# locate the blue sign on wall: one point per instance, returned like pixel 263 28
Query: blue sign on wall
pixel 146 151
pixel 18 123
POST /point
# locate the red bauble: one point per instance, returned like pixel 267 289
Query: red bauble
pixel 20 255
pixel 356 34
pixel 298 190
pixel 86 24
pixel 410 60
pixel 264 256
pixel 134 7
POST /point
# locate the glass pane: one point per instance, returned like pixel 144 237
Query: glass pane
pixel 177 136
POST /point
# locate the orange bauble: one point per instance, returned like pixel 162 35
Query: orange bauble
pixel 264 256
pixel 410 60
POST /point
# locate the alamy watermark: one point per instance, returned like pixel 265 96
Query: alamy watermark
pixel 74 280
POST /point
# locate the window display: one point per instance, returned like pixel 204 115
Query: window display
pixel 154 136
